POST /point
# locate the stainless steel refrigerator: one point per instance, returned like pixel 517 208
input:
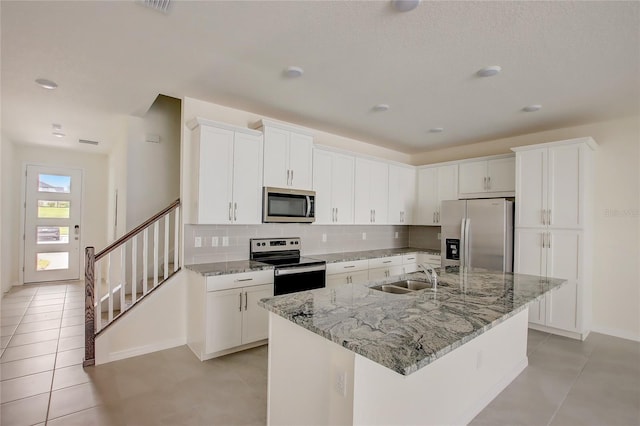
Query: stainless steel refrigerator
pixel 477 233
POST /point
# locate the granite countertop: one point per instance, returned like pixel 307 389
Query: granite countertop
pixel 370 254
pixel 405 332
pixel 225 268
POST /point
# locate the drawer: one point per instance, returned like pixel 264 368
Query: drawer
pixel 352 266
pixel 409 258
pixel 431 259
pixel 384 262
pixel 244 279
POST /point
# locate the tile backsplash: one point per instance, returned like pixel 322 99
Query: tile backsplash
pixel 338 239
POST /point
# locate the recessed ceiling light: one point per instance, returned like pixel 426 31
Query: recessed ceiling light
pixel 436 130
pixel 381 107
pixel 532 108
pixel 293 72
pixel 46 84
pixel 489 71
pixel 59 134
pixel 405 5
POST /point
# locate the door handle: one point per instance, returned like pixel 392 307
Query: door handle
pixel 76 231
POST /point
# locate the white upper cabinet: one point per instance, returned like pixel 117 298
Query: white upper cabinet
pixel 333 181
pixel 402 194
pixel 435 184
pixel 288 156
pixel 487 177
pixel 371 192
pixel 226 184
pixel 551 186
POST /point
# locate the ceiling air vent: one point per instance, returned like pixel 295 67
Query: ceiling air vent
pixel 88 141
pixel 161 5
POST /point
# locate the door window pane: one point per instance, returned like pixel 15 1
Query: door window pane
pixel 53 234
pixel 54 183
pixel 53 209
pixel 52 261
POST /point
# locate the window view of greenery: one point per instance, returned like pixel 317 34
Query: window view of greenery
pixel 54 183
pixel 53 209
pixel 52 261
pixel 53 234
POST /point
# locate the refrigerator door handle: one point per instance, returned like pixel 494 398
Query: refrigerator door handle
pixel 467 243
pixel 463 243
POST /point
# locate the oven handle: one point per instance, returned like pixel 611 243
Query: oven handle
pixel 299 270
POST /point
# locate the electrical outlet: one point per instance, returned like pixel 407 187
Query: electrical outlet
pixel 439 236
pixel 215 241
pixel 324 238
pixel 364 235
pixel 225 241
pixel 341 383
pixel 396 235
pixel 198 242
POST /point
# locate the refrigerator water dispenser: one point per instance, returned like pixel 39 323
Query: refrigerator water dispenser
pixel 453 249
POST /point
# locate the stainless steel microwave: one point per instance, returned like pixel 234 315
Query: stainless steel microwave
pixel 285 205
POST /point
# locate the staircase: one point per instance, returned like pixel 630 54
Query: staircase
pixel 128 270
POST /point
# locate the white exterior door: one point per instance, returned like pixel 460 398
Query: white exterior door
pixel 53 206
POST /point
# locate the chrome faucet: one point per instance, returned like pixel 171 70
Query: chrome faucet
pixel 430 272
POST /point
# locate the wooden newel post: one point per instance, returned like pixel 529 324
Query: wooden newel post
pixel 89 310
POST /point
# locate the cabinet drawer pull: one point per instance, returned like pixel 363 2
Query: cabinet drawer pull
pixel 411 258
pixel 244 279
pixel 386 261
pixel 350 266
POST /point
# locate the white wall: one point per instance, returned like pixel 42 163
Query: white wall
pixel 7 232
pixel 616 262
pixel 116 226
pixel 153 169
pixel 94 200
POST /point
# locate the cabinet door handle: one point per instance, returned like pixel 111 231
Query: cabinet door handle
pixel 336 214
pixel 386 261
pixel 484 185
pixel 246 298
pixel 370 215
pixel 350 266
pixel 549 240
pixel 240 301
pixel 244 279
pixel 235 211
pixel 291 177
pixel 288 176
pixel 230 210
pixel 489 182
pixel 543 216
pixel 434 217
pixel 549 217
pixel 374 215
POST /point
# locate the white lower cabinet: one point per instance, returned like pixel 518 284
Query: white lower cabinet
pixel 556 254
pixel 224 315
pixel 356 277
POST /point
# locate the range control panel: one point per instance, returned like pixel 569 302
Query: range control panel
pixel 261 245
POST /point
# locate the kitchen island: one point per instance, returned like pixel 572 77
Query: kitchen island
pixel 355 355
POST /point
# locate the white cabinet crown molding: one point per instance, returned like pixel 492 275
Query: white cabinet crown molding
pixel 360 155
pixel 284 126
pixel 587 140
pixel 199 121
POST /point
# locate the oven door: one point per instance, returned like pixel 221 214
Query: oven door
pixel 290 279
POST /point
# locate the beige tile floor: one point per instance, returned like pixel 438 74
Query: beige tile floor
pixel 596 382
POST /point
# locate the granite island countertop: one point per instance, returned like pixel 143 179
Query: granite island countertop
pixel 405 332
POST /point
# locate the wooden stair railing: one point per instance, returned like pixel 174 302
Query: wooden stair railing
pixel 114 270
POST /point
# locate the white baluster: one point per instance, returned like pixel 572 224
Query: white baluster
pixel 156 233
pixel 134 266
pixel 176 239
pixel 145 259
pixel 110 289
pixel 97 294
pixel 123 275
pixel 166 246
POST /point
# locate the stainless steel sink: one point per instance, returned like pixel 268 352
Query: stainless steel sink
pixel 402 287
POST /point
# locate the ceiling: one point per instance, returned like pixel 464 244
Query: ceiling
pixel 579 60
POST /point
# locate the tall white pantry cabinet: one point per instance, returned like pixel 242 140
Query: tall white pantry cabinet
pixel 553 230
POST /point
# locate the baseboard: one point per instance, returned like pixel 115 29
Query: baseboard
pixel 495 390
pixel 142 350
pixel 623 334
pixel 559 332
